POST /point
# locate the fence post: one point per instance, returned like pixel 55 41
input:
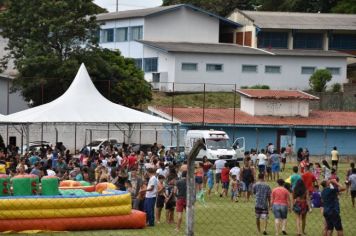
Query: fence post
pixel 204 106
pixel 199 144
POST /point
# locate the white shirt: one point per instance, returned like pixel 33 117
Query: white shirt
pixel 235 171
pixel 163 172
pixel 261 159
pixel 152 182
pixel 119 159
pixel 219 164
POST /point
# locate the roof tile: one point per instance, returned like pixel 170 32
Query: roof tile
pixel 226 116
pixel 276 94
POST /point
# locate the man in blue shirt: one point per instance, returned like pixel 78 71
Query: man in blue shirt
pixel 330 200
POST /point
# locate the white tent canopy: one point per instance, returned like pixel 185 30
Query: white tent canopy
pixel 82 103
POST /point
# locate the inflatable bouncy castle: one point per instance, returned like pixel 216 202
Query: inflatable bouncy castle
pixel 67 209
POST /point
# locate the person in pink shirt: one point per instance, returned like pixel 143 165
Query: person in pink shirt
pixel 280 202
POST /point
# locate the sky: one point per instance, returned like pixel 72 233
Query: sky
pixel 110 5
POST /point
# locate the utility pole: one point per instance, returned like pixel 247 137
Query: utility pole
pixel 117 5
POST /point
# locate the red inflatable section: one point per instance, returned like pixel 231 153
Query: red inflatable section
pixel 136 220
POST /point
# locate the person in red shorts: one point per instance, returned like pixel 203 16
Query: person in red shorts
pixel 180 191
pixel 225 179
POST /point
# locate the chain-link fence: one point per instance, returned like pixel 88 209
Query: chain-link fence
pixel 112 193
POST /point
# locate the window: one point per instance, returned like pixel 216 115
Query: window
pixel 150 64
pixel 136 32
pixel 301 133
pixel 190 66
pixel 214 67
pixel 156 77
pixel 249 68
pixel 272 40
pixel 307 70
pixel 107 36
pixel 273 69
pixel 342 41
pixel 138 62
pixel 334 70
pixel 307 40
pixel 121 34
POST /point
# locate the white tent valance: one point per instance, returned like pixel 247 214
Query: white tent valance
pixel 82 103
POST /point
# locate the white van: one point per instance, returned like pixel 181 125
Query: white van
pixel 217 145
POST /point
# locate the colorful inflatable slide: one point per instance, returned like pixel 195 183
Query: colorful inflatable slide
pixel 71 210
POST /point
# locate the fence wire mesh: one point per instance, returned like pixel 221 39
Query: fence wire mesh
pixel 116 192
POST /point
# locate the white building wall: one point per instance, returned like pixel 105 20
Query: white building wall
pixel 131 49
pixel 280 108
pixel 183 25
pixel 247 105
pixel 289 78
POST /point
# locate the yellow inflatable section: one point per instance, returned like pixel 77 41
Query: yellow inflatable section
pixel 64 213
pixel 64 203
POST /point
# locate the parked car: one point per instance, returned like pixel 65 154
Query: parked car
pixel 35 146
pixel 97 143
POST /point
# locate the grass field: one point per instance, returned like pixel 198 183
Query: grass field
pixel 222 217
pixel 212 100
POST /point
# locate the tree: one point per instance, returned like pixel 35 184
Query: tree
pixel 49 39
pixel 219 7
pixel 345 6
pixel 319 79
pixel 323 6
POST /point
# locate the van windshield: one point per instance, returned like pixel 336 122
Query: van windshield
pixel 215 144
pixel 94 143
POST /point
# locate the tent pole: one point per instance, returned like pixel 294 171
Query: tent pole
pixel 75 138
pixel 21 139
pixel 178 138
pixel 56 135
pixel 41 132
pixel 108 131
pixel 28 136
pixel 140 134
pixel 129 136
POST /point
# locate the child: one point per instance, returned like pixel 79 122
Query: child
pixel 210 176
pixel 225 177
pixel 303 164
pixel 234 188
pixel 333 175
pixel 160 198
pixel 316 198
pixel 170 201
pixel 141 195
pixel 348 173
pixel 317 170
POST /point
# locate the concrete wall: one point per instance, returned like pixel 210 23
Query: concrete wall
pixel 317 142
pixel 183 25
pixel 16 101
pixel 247 105
pixel 281 108
pixel 289 78
pixel 165 135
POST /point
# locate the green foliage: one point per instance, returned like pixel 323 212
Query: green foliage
pixel 336 87
pixel 49 39
pixel 319 79
pixel 219 7
pixel 345 6
pixel 297 5
pixel 257 86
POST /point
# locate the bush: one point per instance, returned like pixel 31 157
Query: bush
pixel 336 88
pixel 257 86
pixel 319 79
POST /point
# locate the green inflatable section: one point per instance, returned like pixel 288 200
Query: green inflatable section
pixel 50 186
pixel 25 186
pixel 84 183
pixel 76 192
pixel 4 185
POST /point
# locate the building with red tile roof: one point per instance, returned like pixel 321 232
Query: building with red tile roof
pixel 319 132
pixel 276 94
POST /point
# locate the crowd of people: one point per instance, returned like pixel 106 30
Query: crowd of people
pixel 156 179
pixel 310 185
